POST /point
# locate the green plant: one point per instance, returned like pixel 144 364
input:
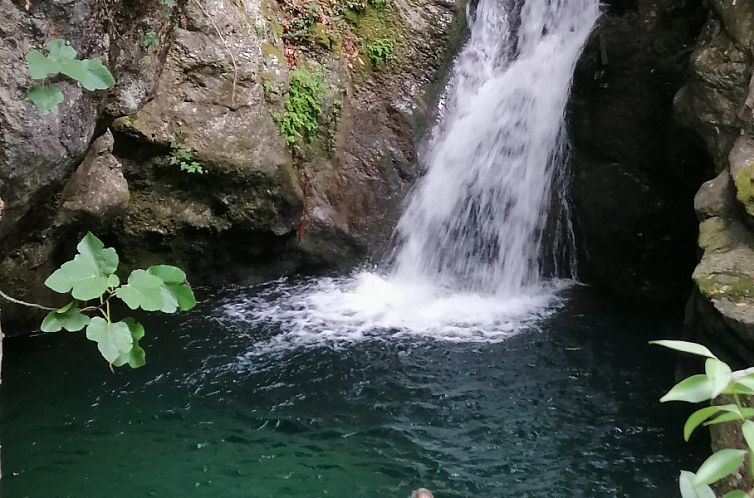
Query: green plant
pixel 717 380
pixel 302 19
pixel 184 158
pixel 302 107
pixel 150 39
pixel 61 59
pixel 167 3
pixel 381 51
pixel 90 276
pixel 380 4
pixel 268 88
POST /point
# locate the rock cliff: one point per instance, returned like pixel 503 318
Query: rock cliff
pixel 304 131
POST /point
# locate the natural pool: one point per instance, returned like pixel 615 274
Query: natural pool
pixel 566 408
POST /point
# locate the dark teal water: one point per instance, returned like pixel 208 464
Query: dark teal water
pixel 565 410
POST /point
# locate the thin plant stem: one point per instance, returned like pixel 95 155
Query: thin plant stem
pixel 24 303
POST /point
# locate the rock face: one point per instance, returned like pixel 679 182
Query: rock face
pixel 211 85
pixel 38 152
pixel 635 171
pixel 717 102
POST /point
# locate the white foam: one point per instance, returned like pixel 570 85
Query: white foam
pixel 369 306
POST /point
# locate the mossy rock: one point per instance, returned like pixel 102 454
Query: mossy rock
pixel 734 287
pixel 745 188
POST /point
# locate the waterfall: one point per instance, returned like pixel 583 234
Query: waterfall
pixel 488 221
pixel 496 163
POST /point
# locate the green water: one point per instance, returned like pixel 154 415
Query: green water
pixel 568 409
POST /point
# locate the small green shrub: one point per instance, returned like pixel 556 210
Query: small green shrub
pixel 61 59
pixel 184 158
pixel 268 88
pixel 302 107
pixel 90 276
pixel 381 51
pixel 717 380
pixel 150 39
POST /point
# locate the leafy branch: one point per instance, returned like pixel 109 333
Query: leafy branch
pixel 60 58
pixel 90 276
pixel 717 380
pixel 184 158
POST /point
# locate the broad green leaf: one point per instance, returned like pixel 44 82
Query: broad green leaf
pixel 59 51
pixel 177 296
pixel 719 375
pixel 746 382
pixel 689 489
pixel 136 357
pixel 113 281
pixel 748 431
pixel 736 388
pixel 721 464
pixel 40 67
pixel 142 291
pixel 686 347
pixel 169 300
pixel 68 317
pixel 113 339
pixel 106 258
pixel 736 494
pixel 168 274
pixel 184 295
pixel 694 389
pixel 82 277
pixel 732 416
pixel 175 293
pixel 90 73
pixel 696 419
pixel 45 99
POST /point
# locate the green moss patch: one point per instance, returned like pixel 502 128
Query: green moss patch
pixel 734 287
pixel 745 188
pixel 302 107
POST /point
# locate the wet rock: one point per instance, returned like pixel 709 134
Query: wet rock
pixel 325 203
pixel 715 198
pixel 712 99
pixel 97 187
pixel 38 152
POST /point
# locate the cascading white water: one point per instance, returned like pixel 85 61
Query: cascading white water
pixel 476 219
pixel 468 259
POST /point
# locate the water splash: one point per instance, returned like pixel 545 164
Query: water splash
pixel 489 219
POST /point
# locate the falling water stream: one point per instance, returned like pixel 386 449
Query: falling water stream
pixel 468 362
pixel 496 164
